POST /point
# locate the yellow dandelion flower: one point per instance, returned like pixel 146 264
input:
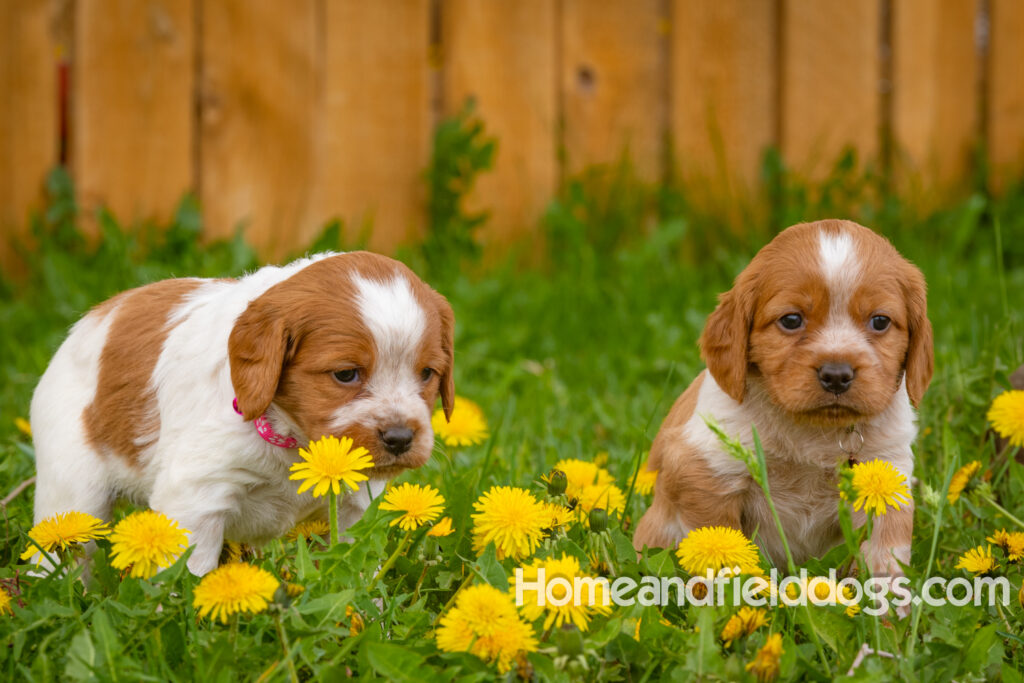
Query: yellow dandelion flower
pixel 580 474
pixel 766 662
pixel 645 479
pixel 743 623
pixel 294 590
pixel 559 515
pixel 234 588
pixel 978 561
pixel 5 602
pixel 960 480
pixel 591 599
pixel 355 623
pixel 443 527
pixel 23 426
pixel 484 622
pixel 328 461
pixel 466 427
pixel 1012 543
pixel 418 505
pixel 147 541
pixel 510 517
pixel 821 589
pixel 1007 416
pixel 879 486
pixel 63 530
pixel 608 497
pixel 714 547
pixel 309 529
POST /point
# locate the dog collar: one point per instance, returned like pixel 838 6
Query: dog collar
pixel 851 441
pixel 264 429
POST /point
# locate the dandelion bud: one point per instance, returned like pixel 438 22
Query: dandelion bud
pixel 598 520
pixel 556 483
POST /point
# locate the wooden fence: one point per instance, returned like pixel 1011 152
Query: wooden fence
pixel 285 113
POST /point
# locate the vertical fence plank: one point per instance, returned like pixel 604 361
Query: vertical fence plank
pixel 613 83
pixel 132 120
pixel 935 103
pixel 503 55
pixel 260 119
pixel 829 82
pixel 377 117
pixel 28 117
pixel 1005 125
pixel 723 109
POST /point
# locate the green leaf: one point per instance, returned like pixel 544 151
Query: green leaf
pixel 981 650
pixel 488 567
pixel 395 663
pixel 307 571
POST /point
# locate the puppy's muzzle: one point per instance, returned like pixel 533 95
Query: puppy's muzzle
pixel 836 378
pixel 397 440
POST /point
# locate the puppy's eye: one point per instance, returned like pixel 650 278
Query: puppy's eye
pixel 880 323
pixel 426 374
pixel 347 376
pixel 791 321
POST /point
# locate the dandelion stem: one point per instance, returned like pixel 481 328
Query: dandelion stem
pixel 762 465
pixel 293 674
pixel 465 582
pixel 391 560
pixel 1006 513
pixel 332 514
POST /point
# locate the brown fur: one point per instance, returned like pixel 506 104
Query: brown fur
pixel 776 371
pixel 288 342
pixel 122 414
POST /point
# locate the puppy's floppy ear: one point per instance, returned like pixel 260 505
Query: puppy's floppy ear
pixel 726 336
pixel 920 361
pixel 256 351
pixel 447 316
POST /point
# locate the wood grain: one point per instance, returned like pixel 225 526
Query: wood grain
pixel 28 117
pixel 132 115
pixel 503 55
pixel 260 121
pixel 723 91
pixel 1005 124
pixel 377 119
pixel 614 84
pixel 935 93
pixel 829 82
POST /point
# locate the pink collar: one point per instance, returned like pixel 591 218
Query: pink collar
pixel 264 429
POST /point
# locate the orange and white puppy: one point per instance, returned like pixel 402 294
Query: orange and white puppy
pixel 823 344
pixel 192 396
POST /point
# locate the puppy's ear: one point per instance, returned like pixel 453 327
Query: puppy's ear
pixel 256 351
pixel 447 316
pixel 726 336
pixel 920 361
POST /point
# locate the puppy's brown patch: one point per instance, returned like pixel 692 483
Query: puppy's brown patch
pixel 123 415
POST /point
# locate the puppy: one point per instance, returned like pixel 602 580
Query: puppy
pixel 823 345
pixel 193 396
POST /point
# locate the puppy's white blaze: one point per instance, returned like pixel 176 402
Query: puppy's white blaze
pixel 839 266
pixel 390 310
pixel 841 269
pixel 397 323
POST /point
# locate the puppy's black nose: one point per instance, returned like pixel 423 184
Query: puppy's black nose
pixel 397 439
pixel 835 377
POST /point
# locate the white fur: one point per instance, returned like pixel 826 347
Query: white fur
pixel 809 450
pixel 207 468
pixel 841 270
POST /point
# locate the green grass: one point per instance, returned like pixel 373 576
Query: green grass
pixel 581 353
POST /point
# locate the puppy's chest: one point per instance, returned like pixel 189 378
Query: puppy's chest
pixel 269 507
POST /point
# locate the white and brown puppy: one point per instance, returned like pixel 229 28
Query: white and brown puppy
pixel 823 344
pixel 192 396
